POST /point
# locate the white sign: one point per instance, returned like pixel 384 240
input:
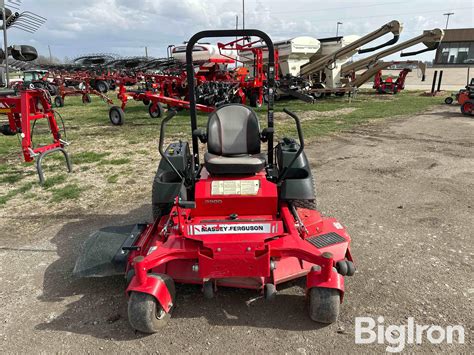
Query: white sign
pixel 233 228
pixel 235 187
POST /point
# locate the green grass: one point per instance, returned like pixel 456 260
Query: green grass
pixel 112 179
pixel 68 192
pixel 120 161
pixel 88 157
pixel 53 181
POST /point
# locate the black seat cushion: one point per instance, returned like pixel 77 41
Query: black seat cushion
pixel 237 165
pixel 233 141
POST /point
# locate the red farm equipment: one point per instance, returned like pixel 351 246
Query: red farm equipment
pixel 23 109
pixel 242 218
pixel 392 85
pixel 465 98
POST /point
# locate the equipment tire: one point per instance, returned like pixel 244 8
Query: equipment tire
pixel 86 99
pixel 449 100
pixel 145 314
pixel 467 108
pixel 324 304
pixel 58 101
pixel 101 86
pixel 116 116
pixel 155 113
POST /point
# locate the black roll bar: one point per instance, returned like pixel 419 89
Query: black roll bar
pixel 270 80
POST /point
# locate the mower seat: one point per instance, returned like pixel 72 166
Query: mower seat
pixel 233 141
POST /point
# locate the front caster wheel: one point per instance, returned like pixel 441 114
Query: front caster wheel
pixel 145 313
pixel 324 304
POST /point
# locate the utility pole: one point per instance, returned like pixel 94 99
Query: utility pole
pixel 146 52
pixel 337 28
pixel 447 14
pixel 5 41
pixel 50 55
pixel 243 14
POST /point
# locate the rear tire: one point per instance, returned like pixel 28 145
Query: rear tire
pixel 116 116
pixel 101 86
pixel 467 108
pixel 324 304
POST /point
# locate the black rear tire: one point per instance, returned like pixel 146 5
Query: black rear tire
pixel 102 86
pixel 116 116
pixel 467 108
pixel 324 304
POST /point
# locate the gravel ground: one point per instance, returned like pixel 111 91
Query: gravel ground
pixel 403 188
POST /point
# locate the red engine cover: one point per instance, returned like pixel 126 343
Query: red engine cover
pixel 252 195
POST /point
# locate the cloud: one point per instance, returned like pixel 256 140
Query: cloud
pixel 77 27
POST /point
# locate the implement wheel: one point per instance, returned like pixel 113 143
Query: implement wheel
pixel 449 100
pixel 86 99
pixel 58 101
pixel 324 304
pixel 467 108
pixel 155 111
pixel 145 314
pixel 116 116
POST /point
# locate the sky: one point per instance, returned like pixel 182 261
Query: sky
pixel 125 27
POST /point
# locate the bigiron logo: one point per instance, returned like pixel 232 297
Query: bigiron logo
pixel 398 336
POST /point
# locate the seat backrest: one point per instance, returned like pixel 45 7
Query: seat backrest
pixel 233 129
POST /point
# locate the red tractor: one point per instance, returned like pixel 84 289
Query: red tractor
pixel 241 218
pixel 465 98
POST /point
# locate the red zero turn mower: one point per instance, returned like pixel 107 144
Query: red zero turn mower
pixel 465 98
pixel 242 218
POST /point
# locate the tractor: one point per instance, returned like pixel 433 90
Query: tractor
pixel 241 218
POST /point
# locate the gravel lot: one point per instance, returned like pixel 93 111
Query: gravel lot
pixel 404 189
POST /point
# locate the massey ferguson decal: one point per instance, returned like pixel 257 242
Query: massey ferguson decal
pixel 234 228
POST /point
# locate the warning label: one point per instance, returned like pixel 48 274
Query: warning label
pixel 235 187
pixel 199 229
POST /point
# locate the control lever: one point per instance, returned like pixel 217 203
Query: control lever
pixel 171 114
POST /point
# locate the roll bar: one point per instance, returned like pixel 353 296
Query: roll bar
pixel 191 84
